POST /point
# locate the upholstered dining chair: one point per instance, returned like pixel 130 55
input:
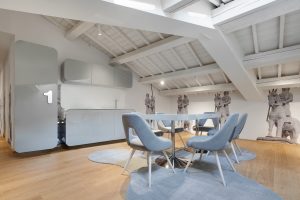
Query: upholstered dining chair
pixel 200 126
pixel 215 143
pixel 237 131
pixel 165 126
pixel 144 140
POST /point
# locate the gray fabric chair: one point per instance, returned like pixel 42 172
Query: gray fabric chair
pixel 144 140
pixel 237 131
pixel 215 143
pixel 165 126
pixel 200 125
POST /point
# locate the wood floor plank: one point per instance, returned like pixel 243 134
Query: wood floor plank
pixel 69 175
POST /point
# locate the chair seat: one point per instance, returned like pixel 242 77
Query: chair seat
pixel 165 143
pixel 200 142
pixel 197 139
pixel 212 132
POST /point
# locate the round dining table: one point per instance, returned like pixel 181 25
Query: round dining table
pixel 177 162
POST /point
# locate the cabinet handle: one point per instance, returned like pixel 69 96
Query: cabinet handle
pixel 49 96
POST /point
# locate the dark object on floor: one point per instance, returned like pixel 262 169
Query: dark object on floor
pixel 269 138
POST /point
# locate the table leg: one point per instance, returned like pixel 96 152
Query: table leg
pixel 176 162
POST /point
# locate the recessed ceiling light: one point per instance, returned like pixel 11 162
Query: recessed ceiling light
pixel 162 82
pixel 135 4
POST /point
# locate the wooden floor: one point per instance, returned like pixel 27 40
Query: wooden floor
pixel 69 175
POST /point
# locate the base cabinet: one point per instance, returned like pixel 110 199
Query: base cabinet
pixel 84 126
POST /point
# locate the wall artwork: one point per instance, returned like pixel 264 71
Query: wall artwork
pixel 222 105
pixel 279 115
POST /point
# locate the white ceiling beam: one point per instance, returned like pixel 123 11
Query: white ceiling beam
pixel 100 44
pixel 140 64
pixel 259 73
pixel 171 6
pixel 243 13
pixel 179 58
pixel 276 79
pixel 269 83
pixel 279 69
pixel 185 83
pixel 191 90
pixel 272 57
pixel 204 70
pixel 289 81
pixel 215 2
pixel 142 36
pixel 110 13
pixel 231 62
pixel 176 85
pixel 113 42
pixel 197 81
pixel 120 32
pixel 255 40
pixel 160 36
pixel 78 30
pixel 138 68
pixel 134 69
pixel 163 60
pixel 192 51
pixel 155 47
pixel 153 65
pixel 225 77
pixel 281 31
pixel 210 79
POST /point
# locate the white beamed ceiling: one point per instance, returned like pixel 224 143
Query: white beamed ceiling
pixel 259 38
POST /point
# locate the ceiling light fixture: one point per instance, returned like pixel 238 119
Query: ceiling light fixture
pixel 135 4
pixel 162 82
pixel 99 30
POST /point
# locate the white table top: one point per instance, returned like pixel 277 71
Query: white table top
pixel 178 117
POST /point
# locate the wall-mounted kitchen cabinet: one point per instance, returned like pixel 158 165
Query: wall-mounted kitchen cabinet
pixel 79 72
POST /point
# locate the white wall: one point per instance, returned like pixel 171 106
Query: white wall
pixel 36 29
pixel 256 125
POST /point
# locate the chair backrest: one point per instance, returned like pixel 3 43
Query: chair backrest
pixel 215 120
pixel 142 130
pixel 240 125
pixel 167 123
pixel 220 139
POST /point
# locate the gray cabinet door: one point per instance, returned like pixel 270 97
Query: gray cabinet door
pixel 35 97
pixel 35 118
